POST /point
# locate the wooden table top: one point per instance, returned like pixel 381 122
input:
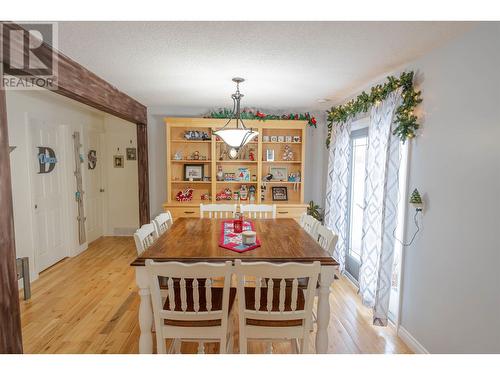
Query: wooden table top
pixel 197 240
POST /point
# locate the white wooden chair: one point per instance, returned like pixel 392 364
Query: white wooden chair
pixel 302 219
pixel 275 311
pixel 326 238
pixel 191 309
pixel 258 211
pixel 310 224
pixel 162 222
pixel 218 211
pixel 144 237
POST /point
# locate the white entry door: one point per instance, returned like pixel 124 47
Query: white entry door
pixel 93 196
pixel 48 193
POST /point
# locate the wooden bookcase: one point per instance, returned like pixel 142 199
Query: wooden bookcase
pixel 259 167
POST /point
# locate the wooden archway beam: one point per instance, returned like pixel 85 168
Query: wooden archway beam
pixel 10 318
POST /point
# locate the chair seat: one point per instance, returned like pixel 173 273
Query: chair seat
pixel 216 305
pixel 250 305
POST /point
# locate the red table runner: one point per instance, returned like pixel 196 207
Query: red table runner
pixel 234 241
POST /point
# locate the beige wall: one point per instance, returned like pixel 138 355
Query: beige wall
pixel 122 183
pixel 120 205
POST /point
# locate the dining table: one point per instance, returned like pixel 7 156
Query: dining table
pixel 191 240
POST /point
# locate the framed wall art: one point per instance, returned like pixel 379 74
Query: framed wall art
pixel 280 193
pixel 131 153
pixel 118 161
pixel 279 173
pixel 193 172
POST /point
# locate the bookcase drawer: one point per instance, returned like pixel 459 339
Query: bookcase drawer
pixel 178 212
pixel 293 212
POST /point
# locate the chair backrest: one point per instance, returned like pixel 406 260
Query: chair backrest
pixel 200 306
pixel 162 222
pixel 282 288
pixel 144 237
pixel 302 219
pixel 310 224
pixel 258 211
pixel 326 238
pixel 218 211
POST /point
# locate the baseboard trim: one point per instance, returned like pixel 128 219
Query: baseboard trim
pixel 411 341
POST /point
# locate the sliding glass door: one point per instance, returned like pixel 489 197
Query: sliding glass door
pixel 357 172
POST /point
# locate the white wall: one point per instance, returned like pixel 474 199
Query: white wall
pixel 451 277
pixel 53 109
pixel 451 297
pixel 122 184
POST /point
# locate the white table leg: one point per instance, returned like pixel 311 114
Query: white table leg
pixel 145 311
pixel 326 279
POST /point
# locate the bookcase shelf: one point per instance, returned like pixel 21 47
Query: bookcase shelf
pixel 213 149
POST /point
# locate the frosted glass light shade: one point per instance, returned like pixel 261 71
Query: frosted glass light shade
pixel 234 137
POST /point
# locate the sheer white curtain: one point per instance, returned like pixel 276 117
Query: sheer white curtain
pixel 337 188
pixel 380 213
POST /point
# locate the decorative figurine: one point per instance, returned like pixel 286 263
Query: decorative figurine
pixel 185 196
pixel 251 193
pixel 220 174
pixel 251 155
pixel 243 174
pixel 178 155
pixel 195 155
pixel 224 195
pixel 243 192
pixel 287 153
pixel 196 135
pixel 205 197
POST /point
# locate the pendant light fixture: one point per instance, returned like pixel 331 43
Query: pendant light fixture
pixel 238 135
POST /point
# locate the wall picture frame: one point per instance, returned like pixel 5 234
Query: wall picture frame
pixel 279 193
pixel 131 153
pixel 118 161
pixel 279 173
pixel 193 172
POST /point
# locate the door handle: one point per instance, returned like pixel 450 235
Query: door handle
pixel 101 190
pixel 189 212
pixel 282 212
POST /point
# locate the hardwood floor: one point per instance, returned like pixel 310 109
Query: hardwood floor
pixel 89 304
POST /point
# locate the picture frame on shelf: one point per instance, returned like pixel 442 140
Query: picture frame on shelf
pixel 269 154
pixel 279 173
pixel 193 172
pixel 279 193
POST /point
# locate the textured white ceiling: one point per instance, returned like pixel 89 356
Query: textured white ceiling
pixel 286 64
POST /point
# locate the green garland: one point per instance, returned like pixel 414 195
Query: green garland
pixel 405 119
pixel 248 114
